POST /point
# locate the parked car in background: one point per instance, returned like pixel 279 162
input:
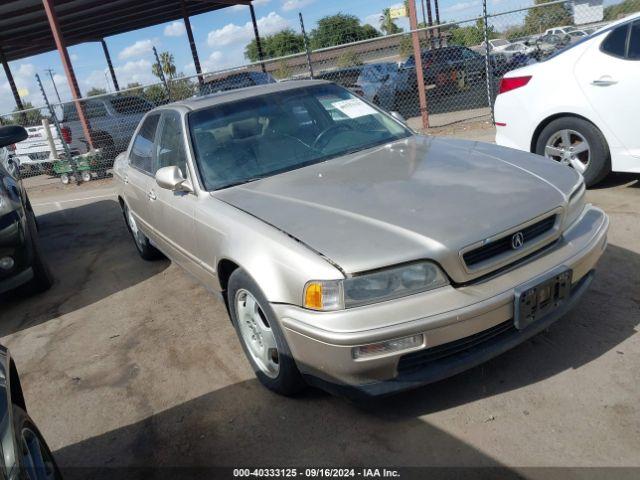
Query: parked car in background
pixel 231 81
pixel 353 253
pixel 111 118
pixel 576 35
pixel 34 154
pixel 561 31
pixel 518 48
pixel 377 82
pixel 22 264
pixel 579 107
pixel 447 68
pixel 346 76
pixel 24 451
pixel 495 45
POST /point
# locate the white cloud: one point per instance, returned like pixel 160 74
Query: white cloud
pixel 135 71
pixel 137 49
pixel 459 7
pixel 73 57
pixel 373 20
pixel 288 5
pixel 26 70
pixel 174 29
pixel 256 3
pixel 232 33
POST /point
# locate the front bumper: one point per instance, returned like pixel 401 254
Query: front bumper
pixel 322 342
pixel 15 243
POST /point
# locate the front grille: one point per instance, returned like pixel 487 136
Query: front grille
pixel 414 361
pixel 501 245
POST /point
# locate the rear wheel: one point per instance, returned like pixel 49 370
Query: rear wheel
pixel 141 241
pixel 261 337
pixel 579 144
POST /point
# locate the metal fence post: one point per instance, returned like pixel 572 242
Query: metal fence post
pixel 54 117
pixel 417 54
pixel 306 45
pixel 487 59
pixel 161 74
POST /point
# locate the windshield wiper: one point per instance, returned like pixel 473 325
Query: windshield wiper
pixel 239 182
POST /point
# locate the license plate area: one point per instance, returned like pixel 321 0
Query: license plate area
pixel 536 299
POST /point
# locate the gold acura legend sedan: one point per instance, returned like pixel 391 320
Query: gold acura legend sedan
pixel 352 253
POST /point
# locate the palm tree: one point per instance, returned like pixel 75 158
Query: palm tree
pixel 387 24
pixel 168 66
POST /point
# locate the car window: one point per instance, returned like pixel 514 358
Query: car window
pixel 95 109
pixel 142 149
pixel 264 135
pixel 616 42
pixel 171 150
pixel 634 42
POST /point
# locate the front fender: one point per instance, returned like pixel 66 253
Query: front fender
pixel 279 263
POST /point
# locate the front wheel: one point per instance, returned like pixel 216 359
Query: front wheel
pixel 262 339
pixel 143 245
pixel 34 457
pixel 579 144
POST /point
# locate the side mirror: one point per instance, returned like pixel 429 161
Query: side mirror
pixel 398 116
pixel 12 134
pixel 171 178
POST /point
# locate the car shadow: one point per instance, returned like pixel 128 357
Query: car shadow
pixel 91 256
pixel 618 179
pixel 244 425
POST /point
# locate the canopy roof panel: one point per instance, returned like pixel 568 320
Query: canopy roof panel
pixel 25 31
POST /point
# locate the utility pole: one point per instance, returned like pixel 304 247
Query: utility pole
pixel 50 71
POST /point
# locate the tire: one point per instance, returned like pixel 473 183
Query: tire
pixel 33 455
pixel 42 278
pixel 287 379
pixel 143 245
pixel 598 165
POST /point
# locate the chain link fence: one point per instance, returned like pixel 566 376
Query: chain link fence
pixel 462 63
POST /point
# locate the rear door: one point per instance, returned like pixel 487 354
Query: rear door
pixel 139 177
pixel 173 212
pixel 609 75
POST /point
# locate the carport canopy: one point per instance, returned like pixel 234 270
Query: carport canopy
pixel 25 28
pixel 30 27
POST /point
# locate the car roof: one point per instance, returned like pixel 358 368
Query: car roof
pixel 218 98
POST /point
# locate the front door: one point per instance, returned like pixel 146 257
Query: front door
pixel 139 176
pixel 173 212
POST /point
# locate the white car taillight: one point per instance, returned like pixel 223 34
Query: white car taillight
pixel 511 83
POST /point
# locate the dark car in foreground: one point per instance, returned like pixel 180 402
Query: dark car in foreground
pixel 25 454
pixel 21 261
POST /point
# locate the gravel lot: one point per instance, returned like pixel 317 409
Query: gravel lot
pixel 130 363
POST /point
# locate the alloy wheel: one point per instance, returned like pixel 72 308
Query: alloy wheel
pixel 569 147
pixel 257 334
pixel 138 236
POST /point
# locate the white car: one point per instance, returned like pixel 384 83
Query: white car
pixel 560 30
pixel 580 107
pixel 518 47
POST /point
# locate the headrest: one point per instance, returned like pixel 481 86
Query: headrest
pixel 245 128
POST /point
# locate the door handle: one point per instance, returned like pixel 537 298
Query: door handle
pixel 604 81
pixel 151 195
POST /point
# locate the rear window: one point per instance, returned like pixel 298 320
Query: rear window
pixel 616 42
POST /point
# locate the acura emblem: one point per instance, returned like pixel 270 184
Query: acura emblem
pixel 517 241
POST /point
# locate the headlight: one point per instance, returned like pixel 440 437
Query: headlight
pixel 373 287
pixel 576 204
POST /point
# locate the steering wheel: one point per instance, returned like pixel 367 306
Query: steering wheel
pixel 323 137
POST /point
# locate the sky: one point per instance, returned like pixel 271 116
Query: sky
pixel 220 38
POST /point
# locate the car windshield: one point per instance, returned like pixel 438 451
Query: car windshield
pixel 499 42
pixel 241 141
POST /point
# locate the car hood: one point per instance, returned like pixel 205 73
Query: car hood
pixel 421 197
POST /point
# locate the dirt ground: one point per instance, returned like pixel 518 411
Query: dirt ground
pixel 131 363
